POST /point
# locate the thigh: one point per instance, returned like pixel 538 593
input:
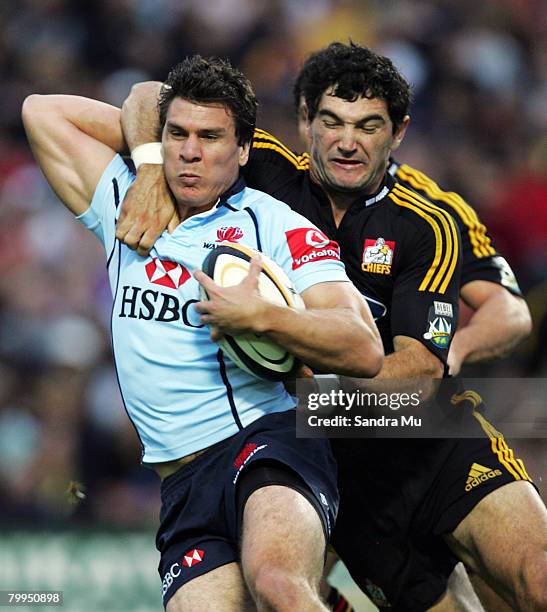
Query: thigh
pixel 502 530
pixel 221 589
pixel 383 485
pixel 282 528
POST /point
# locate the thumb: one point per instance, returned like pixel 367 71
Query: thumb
pixel 254 271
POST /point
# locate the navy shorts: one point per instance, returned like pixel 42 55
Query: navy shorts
pixel 201 502
pixel 398 498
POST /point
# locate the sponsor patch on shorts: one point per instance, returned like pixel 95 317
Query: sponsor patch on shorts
pixel 479 474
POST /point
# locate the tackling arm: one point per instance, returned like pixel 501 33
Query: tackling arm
pixel 410 361
pixel 501 320
pixel 148 207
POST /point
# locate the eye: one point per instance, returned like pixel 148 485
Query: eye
pixel 176 133
pixel 370 129
pixel 330 124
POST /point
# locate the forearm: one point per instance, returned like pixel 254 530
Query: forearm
pixel 332 340
pixel 140 115
pixel 411 364
pixel 493 331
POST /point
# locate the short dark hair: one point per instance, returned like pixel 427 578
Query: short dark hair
pixel 353 71
pixel 209 80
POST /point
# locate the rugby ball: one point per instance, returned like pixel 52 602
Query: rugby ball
pixel 228 265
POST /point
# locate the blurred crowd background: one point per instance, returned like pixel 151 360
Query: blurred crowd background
pixel 479 119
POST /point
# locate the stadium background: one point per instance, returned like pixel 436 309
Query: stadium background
pixel 479 73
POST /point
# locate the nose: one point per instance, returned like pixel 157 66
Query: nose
pixel 347 144
pixel 190 149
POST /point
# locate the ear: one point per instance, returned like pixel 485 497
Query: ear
pixel 244 151
pixel 400 133
pixel 304 111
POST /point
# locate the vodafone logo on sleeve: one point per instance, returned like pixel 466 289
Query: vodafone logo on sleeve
pixel 309 244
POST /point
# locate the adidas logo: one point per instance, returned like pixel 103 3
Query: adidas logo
pixel 477 474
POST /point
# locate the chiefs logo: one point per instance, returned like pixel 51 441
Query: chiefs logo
pixel 229 234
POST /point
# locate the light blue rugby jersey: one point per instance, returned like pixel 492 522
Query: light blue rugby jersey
pixel 181 392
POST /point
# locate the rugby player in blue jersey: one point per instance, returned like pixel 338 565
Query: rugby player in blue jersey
pixel 246 507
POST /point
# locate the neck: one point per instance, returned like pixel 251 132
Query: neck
pixel 340 201
pixel 185 211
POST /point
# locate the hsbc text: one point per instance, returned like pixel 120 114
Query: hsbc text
pixel 149 304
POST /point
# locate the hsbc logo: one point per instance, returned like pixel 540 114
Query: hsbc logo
pixel 148 305
pixel 309 244
pixel 316 239
pixel 193 557
pixel 172 573
pixel 229 234
pixel 167 273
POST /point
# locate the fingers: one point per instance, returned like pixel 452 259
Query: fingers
pixel 254 271
pixel 304 372
pixel 205 281
pixel 216 334
pixel 147 241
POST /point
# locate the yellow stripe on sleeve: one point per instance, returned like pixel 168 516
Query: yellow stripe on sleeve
pixel 264 140
pixel 446 238
pixel 482 245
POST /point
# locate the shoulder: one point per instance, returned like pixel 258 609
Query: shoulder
pixel 262 203
pixel 464 214
pixel 266 147
pixel 421 212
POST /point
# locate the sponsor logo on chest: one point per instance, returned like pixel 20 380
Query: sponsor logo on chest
pixel 225 234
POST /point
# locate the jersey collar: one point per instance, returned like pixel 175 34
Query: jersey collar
pixel 386 186
pixel 227 198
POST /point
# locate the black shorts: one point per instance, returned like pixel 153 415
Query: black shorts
pixel 202 502
pixel 397 499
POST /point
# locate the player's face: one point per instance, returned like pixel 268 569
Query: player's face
pixel 351 143
pixel 201 156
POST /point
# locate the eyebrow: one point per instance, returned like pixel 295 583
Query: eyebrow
pixel 206 130
pixel 374 117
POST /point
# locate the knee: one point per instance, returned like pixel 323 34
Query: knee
pixel 533 583
pixel 278 589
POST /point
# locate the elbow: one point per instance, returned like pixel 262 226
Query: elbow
pixel 367 360
pixel 144 89
pixel 521 323
pixel 31 107
pixel 524 322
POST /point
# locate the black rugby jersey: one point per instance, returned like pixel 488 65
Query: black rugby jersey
pixel 401 251
pixel 481 261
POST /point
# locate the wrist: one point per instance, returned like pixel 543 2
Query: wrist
pixel 263 321
pixel 147 153
pixel 459 347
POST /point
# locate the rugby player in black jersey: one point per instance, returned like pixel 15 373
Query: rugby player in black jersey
pixel 407 516
pixel 500 317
